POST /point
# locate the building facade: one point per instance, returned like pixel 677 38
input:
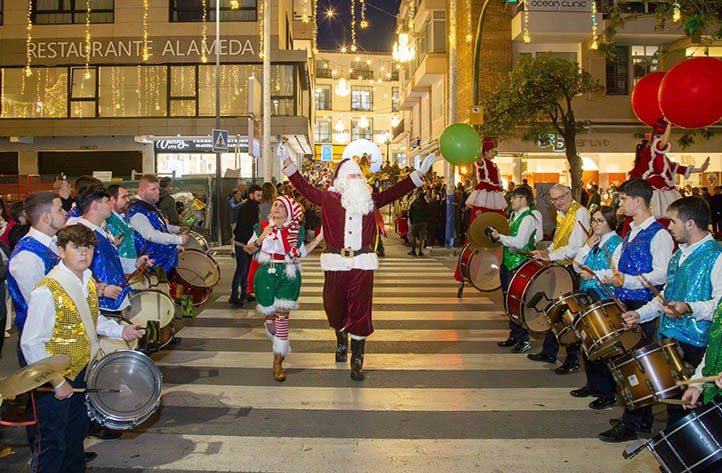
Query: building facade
pixel 144 99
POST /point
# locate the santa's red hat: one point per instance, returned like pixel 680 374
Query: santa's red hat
pixel 660 127
pixel 487 144
pixel 345 168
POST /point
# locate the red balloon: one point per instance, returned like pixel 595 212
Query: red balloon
pixel 644 98
pixel 690 95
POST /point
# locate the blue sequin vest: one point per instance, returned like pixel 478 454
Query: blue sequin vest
pixel 637 257
pixel 165 256
pixel 596 260
pixel 108 269
pixel 73 213
pixel 690 282
pixel 49 259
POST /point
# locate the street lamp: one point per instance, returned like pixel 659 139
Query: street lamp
pixel 388 143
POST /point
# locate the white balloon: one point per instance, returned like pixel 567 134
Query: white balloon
pixel 361 146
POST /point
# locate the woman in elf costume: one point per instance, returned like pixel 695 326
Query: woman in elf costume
pixel 278 244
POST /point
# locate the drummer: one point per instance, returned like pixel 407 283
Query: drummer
pixel 693 289
pixel 524 228
pixel 570 235
pixel 604 241
pixel 120 228
pixel 94 203
pixel 63 318
pixel 152 232
pixel 646 250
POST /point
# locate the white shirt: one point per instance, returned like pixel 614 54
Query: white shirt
pixel 28 268
pixel 526 227
pixel 576 240
pixel 584 250
pixel 125 302
pixel 40 322
pixel 701 310
pixel 661 247
pixel 142 225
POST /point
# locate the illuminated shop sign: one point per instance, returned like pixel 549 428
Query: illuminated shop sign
pixel 203 145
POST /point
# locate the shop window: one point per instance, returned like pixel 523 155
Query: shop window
pixel 361 98
pixel 644 61
pixel 618 72
pixel 394 99
pixel 64 12
pixel 322 132
pixel 83 90
pixel 133 91
pixel 183 91
pixel 365 133
pixel 192 10
pixel 323 97
pixel 44 94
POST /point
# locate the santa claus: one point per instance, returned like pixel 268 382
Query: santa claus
pixel 653 165
pixel 349 228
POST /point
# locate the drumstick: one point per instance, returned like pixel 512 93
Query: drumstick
pixel 587 232
pixel 676 402
pixel 47 389
pixel 656 292
pixel 604 286
pixel 703 379
pixel 137 271
pixel 613 266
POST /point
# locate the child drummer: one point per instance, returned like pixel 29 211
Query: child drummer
pixel 63 318
pixel 525 229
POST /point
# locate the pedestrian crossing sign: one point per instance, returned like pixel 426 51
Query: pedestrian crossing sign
pixel 220 141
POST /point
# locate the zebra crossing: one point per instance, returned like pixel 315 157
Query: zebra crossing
pixel 439 394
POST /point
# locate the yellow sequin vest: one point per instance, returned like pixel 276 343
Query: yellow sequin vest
pixel 69 335
pixel 565 226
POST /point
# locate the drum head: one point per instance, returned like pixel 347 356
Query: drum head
pixel 150 305
pixel 139 382
pixel 196 241
pixel 483 269
pixel 110 345
pixel 547 285
pixel 196 268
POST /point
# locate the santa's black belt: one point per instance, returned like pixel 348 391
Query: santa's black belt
pixel 348 252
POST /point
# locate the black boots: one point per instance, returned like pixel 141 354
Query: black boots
pixel 341 346
pixel 357 359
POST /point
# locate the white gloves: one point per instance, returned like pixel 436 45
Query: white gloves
pixel 282 152
pixel 427 163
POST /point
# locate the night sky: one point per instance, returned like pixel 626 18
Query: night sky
pixel 379 36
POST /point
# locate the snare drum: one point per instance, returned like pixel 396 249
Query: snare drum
pixel 480 267
pixel 649 374
pixel 156 307
pixel 691 445
pixel 149 280
pixel 196 241
pixel 562 312
pixel 603 333
pixel 139 381
pixel 533 285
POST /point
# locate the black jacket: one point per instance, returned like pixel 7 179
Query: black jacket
pixel 246 219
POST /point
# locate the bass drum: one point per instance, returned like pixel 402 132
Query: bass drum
pixel 153 309
pixel 197 269
pixel 196 241
pixel 138 383
pixel 480 267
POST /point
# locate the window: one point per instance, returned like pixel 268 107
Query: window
pixel 394 99
pixel 323 69
pixel 183 97
pixel 568 56
pixel 644 61
pixel 357 132
pixel 192 10
pixel 323 97
pixel 62 12
pixel 618 72
pixel 83 98
pixel 322 132
pixel 132 91
pixel 361 98
pixel 41 95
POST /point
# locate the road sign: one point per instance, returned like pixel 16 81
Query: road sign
pixel 220 141
pixel 326 152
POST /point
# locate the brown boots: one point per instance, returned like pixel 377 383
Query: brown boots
pixel 278 373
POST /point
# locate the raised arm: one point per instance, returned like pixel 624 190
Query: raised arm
pixel 400 189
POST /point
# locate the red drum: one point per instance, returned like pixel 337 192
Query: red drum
pixel 532 287
pixel 649 374
pixel 603 333
pixel 197 273
pixel 480 267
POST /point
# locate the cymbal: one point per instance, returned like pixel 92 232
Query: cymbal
pixel 32 376
pixel 477 236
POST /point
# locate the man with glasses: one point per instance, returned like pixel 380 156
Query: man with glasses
pixel 570 235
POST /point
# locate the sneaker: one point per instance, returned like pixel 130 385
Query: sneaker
pixel 411 253
pixel 509 342
pixel 521 347
pixel 618 433
pixel 541 357
pixel 421 253
pixel 603 402
pixel 250 298
pixel 567 368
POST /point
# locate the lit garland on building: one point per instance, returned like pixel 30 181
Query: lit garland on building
pixel 364 23
pixel 353 26
pixel 261 16
pixel 87 40
pixel 29 27
pixel 595 43
pixel 146 54
pixel 526 38
pixel 204 33
pixel 304 16
pixel 314 14
pixel 469 35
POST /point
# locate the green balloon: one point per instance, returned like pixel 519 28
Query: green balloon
pixel 460 144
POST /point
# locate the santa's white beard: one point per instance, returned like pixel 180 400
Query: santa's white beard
pixel 355 195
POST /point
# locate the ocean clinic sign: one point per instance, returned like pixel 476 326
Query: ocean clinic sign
pixel 132 49
pixel 560 5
